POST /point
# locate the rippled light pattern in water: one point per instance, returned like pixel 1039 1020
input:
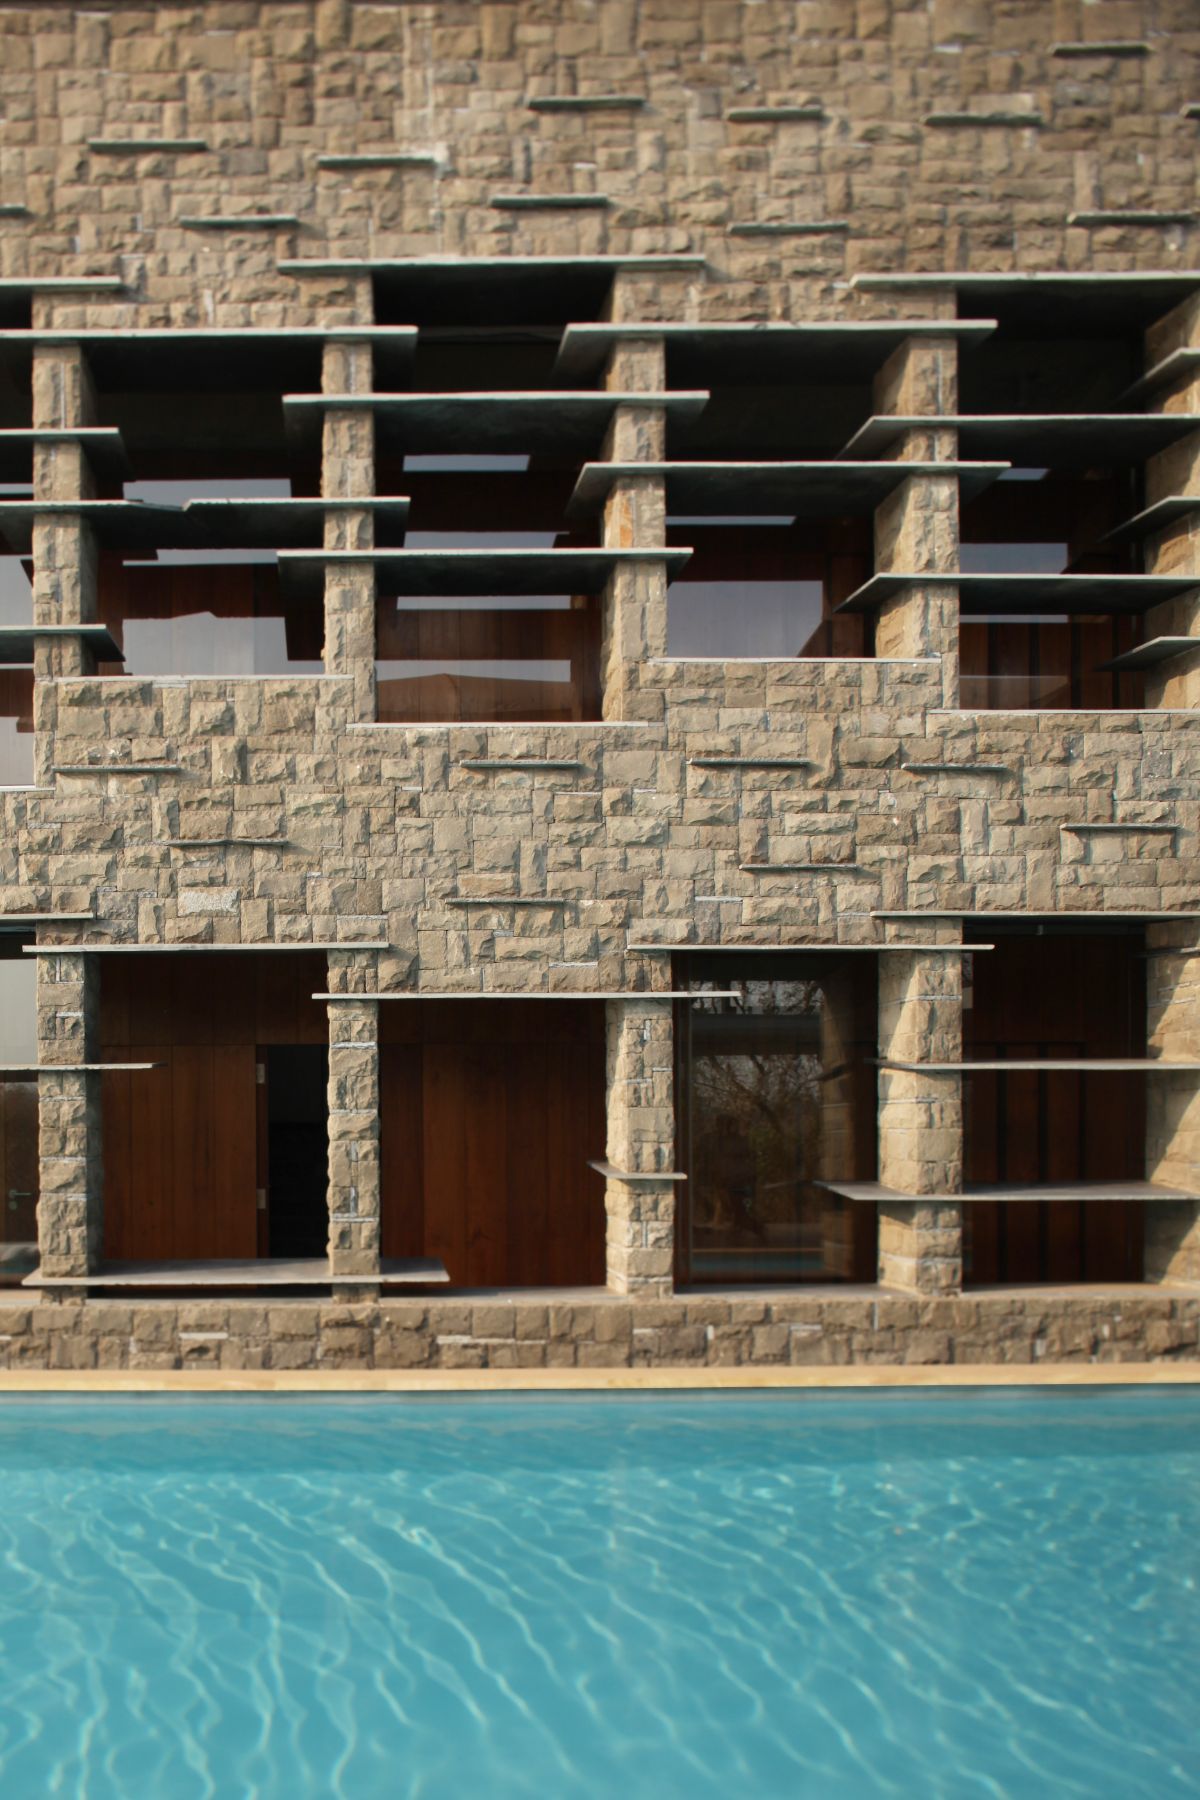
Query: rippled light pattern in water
pixel 813 1594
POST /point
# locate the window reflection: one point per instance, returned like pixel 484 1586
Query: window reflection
pixel 741 618
pixel 16 727
pixel 519 657
pixel 767 588
pixel 1047 522
pixel 207 620
pixel 777 1097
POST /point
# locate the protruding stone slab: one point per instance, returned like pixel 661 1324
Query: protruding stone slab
pixel 549 202
pixel 809 111
pixel 147 146
pixel 568 103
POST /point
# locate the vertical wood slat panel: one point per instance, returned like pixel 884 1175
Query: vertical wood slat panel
pixel 180 1156
pixel 402 1149
pixel 507 1105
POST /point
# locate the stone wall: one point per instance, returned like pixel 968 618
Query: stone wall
pixel 598 1331
pixel 878 171
pixel 896 135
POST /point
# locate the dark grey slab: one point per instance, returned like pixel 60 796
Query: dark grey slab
pixel 632 1176
pixel 806 490
pixel 1032 593
pixel 1129 216
pixel 785 228
pixel 1096 1065
pixel 734 352
pixel 28 285
pixel 447 272
pixel 17 643
pixel 1156 650
pixel 552 103
pixel 1159 517
pixel 147 146
pixel 1176 366
pixel 549 202
pixel 1033 917
pixel 245 1273
pixel 380 159
pixel 564 422
pixel 219 358
pixel 448 572
pixel 105 451
pixel 807 110
pixel 286 523
pixel 799 950
pixel 261 221
pixel 1054 302
pixel 874 1193
pixel 198 524
pixel 1058 440
pixel 986 120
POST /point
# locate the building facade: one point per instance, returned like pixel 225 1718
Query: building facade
pixel 600 752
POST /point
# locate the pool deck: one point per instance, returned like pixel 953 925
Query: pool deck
pixel 616 1380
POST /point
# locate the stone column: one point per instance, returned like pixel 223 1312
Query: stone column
pixel 916 527
pixel 354 1170
pixel 1172 1242
pixel 348 472
pixel 65 562
pixel 1175 551
pixel 920 1121
pixel 641 1139
pixel 634 615
pixel 70 1174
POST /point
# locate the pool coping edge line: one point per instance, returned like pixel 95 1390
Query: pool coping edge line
pixel 568 1380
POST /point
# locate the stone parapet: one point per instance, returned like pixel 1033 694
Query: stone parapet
pixel 601 1331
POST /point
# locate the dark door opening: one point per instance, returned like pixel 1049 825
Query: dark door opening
pixel 297 1147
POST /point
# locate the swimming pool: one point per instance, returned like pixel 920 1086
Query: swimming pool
pixel 985 1593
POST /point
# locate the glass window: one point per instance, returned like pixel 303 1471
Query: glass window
pixel 18 1005
pixel 18 1112
pixel 1014 559
pixel 742 618
pixel 777 1096
pixel 16 727
pixel 519 657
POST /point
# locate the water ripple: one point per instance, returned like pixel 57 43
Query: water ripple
pixel 960 1596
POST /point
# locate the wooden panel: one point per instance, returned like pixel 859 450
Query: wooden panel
pixel 1056 996
pixel 506 1104
pixel 180 1142
pixel 502 637
pixel 402 1147
pixel 444 1132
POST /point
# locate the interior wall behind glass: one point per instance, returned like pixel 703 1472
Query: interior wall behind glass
pixel 741 618
pixel 778 1099
pixel 18 1010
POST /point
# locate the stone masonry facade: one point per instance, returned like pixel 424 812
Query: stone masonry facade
pixel 746 161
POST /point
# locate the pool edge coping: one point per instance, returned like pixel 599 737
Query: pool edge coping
pixel 599 1380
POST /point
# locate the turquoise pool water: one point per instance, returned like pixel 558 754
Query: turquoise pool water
pixel 812 1594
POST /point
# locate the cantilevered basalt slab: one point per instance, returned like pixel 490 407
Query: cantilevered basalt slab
pixel 1060 440
pixel 1046 302
pixel 221 359
pixel 199 524
pixel 1031 593
pixel 468 572
pixel 564 422
pixel 806 490
pixel 101 443
pixel 831 349
pixel 18 642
